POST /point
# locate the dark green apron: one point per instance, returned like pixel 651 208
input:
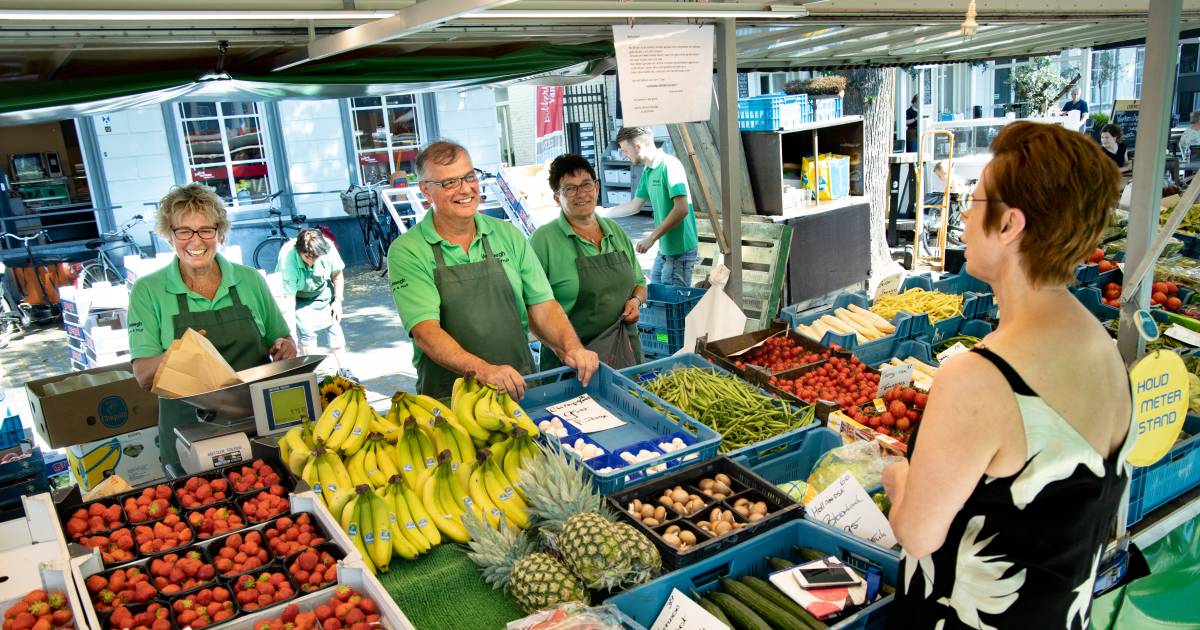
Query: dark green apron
pixel 480 313
pixel 606 283
pixel 234 334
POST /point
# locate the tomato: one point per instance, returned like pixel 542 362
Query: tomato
pixel 908 395
pixel 887 419
pixel 897 408
pixel 920 400
pixel 902 424
pixel 1158 287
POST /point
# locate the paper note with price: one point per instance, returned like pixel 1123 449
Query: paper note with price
pixel 683 613
pixel 585 414
pixel 846 506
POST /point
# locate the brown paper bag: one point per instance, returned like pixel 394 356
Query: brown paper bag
pixel 190 366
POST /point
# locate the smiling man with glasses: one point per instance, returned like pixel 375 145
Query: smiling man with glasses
pixel 469 288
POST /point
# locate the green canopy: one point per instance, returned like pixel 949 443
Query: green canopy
pixel 55 100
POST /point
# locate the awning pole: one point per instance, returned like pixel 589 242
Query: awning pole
pixel 727 96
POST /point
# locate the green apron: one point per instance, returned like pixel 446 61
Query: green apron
pixel 606 283
pixel 314 310
pixel 234 334
pixel 480 313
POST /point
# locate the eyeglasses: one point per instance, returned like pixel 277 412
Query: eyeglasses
pixel 587 187
pixel 455 182
pixel 185 234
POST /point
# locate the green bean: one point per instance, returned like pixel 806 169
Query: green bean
pixel 734 408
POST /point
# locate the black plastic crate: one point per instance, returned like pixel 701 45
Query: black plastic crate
pixel 781 509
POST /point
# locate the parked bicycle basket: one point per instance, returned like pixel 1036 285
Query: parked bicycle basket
pixel 360 201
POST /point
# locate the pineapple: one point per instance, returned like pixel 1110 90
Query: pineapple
pixel 568 510
pixel 507 560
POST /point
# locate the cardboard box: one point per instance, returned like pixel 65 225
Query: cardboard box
pixel 133 456
pixel 90 414
pixel 105 333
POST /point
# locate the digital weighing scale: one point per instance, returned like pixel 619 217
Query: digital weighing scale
pixel 270 399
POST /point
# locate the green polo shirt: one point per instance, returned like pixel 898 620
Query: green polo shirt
pixel 661 182
pixel 554 244
pixel 411 264
pixel 299 278
pixel 153 305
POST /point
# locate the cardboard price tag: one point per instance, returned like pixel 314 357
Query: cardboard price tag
pixel 585 414
pixel 889 285
pixel 1185 335
pixel 954 350
pixel 683 613
pixel 846 506
pixel 894 375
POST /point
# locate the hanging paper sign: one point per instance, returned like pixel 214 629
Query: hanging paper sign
pixel 1160 403
pixel 664 72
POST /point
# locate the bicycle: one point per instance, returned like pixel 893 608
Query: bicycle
pixel 30 313
pixel 104 269
pixel 12 319
pixel 266 254
pixel 364 202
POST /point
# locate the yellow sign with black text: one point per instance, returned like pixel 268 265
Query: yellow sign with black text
pixel 1160 403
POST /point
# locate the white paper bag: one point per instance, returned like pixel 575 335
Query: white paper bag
pixel 716 315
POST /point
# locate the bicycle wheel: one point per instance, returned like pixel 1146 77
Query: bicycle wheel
pixel 266 255
pixel 93 273
pixel 376 249
pixel 10 324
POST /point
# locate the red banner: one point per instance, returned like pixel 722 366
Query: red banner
pixel 549 110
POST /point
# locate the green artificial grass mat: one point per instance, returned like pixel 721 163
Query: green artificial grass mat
pixel 443 590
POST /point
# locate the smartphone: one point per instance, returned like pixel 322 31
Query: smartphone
pixel 821 577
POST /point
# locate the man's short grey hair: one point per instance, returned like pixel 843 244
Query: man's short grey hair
pixel 1194 117
pixel 443 152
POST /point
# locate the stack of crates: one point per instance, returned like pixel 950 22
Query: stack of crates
pixel 95 319
pixel 660 325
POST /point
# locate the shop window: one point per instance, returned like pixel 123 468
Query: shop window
pixel 387 135
pixel 225 147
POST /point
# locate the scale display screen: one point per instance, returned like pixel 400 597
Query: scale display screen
pixel 285 403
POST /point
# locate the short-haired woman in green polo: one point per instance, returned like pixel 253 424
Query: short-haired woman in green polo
pixel 589 260
pixel 203 291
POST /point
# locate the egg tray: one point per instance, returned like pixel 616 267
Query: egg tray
pixel 780 508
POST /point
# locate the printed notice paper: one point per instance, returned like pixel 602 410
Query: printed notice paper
pixel 585 414
pixel 846 506
pixel 682 613
pixel 665 73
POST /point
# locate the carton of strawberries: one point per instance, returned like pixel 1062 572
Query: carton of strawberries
pixel 176 573
pixel 149 505
pixel 215 520
pixel 258 475
pixel 287 535
pixel 152 616
pixel 266 504
pixel 115 547
pixel 314 569
pixel 201 491
pixel 122 587
pixel 170 533
pixel 254 591
pixel 41 610
pixel 239 553
pixel 346 609
pixel 204 608
pixel 97 517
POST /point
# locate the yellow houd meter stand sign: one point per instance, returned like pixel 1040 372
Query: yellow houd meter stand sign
pixel 1160 403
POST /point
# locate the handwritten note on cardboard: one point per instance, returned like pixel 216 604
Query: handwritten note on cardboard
pixel 846 506
pixel 585 414
pixel 682 613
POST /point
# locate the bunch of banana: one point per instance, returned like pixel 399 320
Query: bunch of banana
pixel 295 447
pixel 411 525
pixel 385 426
pixel 519 451
pixel 373 464
pixel 483 411
pixel 493 492
pixel 450 438
pixel 366 521
pixel 415 455
pixel 329 479
pixel 446 500
pixel 345 423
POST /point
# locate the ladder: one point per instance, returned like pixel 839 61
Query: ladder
pixel 933 257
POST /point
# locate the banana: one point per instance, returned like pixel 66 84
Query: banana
pixel 503 495
pixel 425 525
pixel 445 440
pixel 458 490
pixel 309 475
pixel 298 452
pixel 485 412
pixel 362 426
pixel 356 466
pixel 448 522
pixel 386 461
pixel 499 448
pixel 479 494
pixel 282 444
pixel 405 526
pixel 514 459
pixel 381 552
pixel 463 404
pixel 345 423
pixel 423 416
pixel 413 466
pixel 331 416
pixel 385 426
pixel 514 411
pixel 360 518
pixel 336 486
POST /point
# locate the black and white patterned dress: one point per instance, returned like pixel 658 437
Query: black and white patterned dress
pixel 1023 550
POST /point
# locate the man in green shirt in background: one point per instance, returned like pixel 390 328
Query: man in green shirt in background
pixel 468 287
pixel 664 185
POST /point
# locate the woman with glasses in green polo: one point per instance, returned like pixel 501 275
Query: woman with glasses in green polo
pixel 589 260
pixel 230 303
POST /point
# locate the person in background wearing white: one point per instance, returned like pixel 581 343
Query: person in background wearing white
pixel 1190 137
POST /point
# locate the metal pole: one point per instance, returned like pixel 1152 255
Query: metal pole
pixel 1158 82
pixel 728 142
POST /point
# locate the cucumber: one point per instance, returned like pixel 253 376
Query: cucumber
pixel 715 610
pixel 779 564
pixel 769 590
pixel 739 614
pixel 779 618
pixel 808 554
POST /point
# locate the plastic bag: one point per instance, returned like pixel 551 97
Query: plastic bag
pixel 570 616
pixel 861 458
pixel 613 346
pixel 715 315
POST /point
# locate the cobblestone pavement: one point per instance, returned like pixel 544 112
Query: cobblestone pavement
pixel 379 352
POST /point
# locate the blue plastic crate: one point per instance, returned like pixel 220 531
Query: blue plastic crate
pixel 640 606
pixel 971 327
pixel 977 295
pixel 661 321
pixel 827 107
pixel 1090 298
pixel 625 400
pixel 908 326
pixel 772 112
pixel 11 432
pixel 1176 473
pixel 649 370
